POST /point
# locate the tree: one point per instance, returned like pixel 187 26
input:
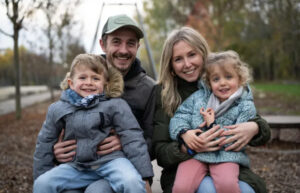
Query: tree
pixel 17 11
pixel 264 32
pixel 162 17
pixel 6 67
pixel 58 16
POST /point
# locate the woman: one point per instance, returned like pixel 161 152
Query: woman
pixel 183 57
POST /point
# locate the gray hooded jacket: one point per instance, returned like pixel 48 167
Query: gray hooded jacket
pixel 89 126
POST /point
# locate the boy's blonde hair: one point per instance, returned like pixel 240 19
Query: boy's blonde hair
pixel 96 63
pixel 222 59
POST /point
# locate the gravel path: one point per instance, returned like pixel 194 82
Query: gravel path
pixel 277 162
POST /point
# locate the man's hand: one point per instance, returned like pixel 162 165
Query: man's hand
pixel 64 151
pixel 109 144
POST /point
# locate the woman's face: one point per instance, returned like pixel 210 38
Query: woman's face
pixel 186 62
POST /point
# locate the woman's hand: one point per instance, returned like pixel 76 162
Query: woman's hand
pixel 241 134
pixel 205 141
pixel 109 144
pixel 64 151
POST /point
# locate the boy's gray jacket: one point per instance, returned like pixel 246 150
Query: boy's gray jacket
pixel 89 126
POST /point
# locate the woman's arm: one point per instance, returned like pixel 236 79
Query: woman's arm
pixel 166 151
pixel 264 132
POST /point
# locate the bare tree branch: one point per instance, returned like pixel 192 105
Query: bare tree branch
pixel 5 33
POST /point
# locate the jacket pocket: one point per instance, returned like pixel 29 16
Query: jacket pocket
pixel 85 152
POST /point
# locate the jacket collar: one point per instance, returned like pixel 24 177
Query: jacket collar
pixel 134 70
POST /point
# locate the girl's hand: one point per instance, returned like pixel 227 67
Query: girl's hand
pixel 109 144
pixel 205 141
pixel 64 151
pixel 208 115
pixel 148 187
pixel 241 134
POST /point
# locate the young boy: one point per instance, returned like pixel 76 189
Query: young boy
pixel 88 110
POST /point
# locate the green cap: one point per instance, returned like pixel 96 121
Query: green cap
pixel 116 22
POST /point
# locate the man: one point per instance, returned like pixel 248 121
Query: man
pixel 120 42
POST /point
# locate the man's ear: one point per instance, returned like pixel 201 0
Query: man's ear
pixel 102 45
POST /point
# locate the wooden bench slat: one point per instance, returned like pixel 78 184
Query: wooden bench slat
pixel 282 121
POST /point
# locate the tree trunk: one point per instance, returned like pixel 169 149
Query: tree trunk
pixel 17 75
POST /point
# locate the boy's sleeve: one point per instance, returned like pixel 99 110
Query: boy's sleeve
pixel 182 117
pixel 132 139
pixel 47 137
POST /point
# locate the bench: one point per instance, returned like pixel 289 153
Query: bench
pixel 283 121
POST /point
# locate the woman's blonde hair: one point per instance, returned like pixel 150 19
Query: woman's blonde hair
pixel 96 63
pixel 169 95
pixel 223 59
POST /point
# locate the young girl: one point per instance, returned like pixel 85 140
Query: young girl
pixel 88 109
pixel 226 101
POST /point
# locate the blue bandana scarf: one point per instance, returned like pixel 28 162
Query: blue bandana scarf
pixel 80 101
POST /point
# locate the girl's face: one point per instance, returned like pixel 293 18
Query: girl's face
pixel 224 81
pixel 186 62
pixel 87 82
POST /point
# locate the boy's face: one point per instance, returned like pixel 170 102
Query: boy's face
pixel 121 48
pixel 87 82
pixel 224 81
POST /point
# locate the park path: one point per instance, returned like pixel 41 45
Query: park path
pixel 8 106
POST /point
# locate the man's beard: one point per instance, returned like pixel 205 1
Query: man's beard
pixel 110 60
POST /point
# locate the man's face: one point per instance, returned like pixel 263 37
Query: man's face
pixel 121 48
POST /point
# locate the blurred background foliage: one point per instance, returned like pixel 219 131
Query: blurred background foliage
pixel 264 32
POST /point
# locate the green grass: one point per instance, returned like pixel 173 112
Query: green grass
pixel 277 98
pixel 289 90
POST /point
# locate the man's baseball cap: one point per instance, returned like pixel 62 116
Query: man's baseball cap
pixel 118 21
